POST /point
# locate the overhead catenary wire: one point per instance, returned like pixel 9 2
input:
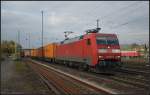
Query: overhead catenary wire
pixel 125 23
pixel 120 12
pixel 129 13
pixel 114 12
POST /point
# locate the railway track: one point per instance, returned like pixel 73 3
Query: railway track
pixel 134 77
pixel 116 83
pixel 65 83
pixel 44 79
pixel 134 71
pixel 141 68
pixel 132 81
pixel 127 78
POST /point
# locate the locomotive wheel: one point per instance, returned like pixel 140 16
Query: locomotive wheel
pixel 83 67
pixel 70 64
pixel 67 64
pixel 80 67
pixel 86 67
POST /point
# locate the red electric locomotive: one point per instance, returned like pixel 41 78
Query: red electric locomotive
pixel 92 50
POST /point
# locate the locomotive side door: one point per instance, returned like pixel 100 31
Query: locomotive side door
pixel 90 50
pixel 87 49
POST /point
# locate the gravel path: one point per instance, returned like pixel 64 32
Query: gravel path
pixel 18 78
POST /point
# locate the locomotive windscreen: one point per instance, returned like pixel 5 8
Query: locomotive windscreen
pixel 107 40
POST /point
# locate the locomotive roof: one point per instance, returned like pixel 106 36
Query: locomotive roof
pixel 81 37
pixel 72 39
pixel 105 34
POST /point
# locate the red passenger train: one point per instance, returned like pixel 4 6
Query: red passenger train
pixel 93 49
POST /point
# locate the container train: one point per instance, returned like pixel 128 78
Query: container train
pixel 91 50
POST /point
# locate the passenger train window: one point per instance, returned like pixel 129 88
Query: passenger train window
pixel 88 42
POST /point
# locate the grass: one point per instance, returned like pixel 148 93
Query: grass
pixel 20 78
pixel 20 67
pixel 2 58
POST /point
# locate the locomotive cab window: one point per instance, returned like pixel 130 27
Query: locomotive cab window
pixel 107 40
pixel 88 42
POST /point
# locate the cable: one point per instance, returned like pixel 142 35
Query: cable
pixel 118 11
pixel 123 24
pixel 129 12
pixel 110 14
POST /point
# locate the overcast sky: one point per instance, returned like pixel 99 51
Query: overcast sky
pixel 128 19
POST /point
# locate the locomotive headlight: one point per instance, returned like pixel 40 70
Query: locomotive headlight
pixel 100 56
pixel 115 50
pixel 118 56
pixel 102 50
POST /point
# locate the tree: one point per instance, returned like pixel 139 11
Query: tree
pixel 8 47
